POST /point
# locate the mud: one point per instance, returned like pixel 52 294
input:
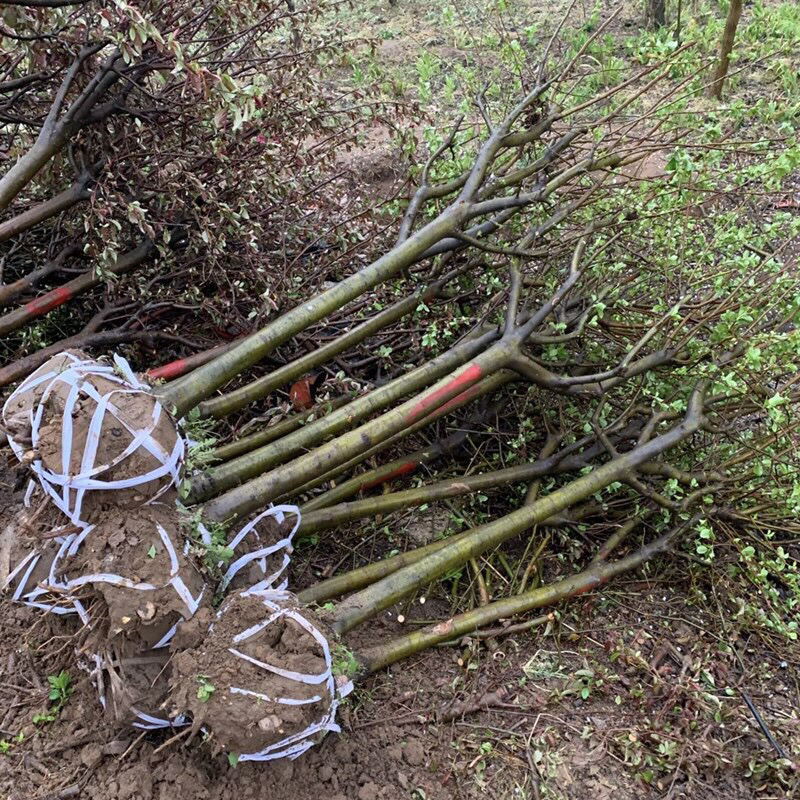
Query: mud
pixel 249 723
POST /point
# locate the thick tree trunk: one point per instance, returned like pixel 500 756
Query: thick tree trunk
pixel 728 36
pixel 656 13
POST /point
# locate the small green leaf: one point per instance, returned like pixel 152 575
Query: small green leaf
pixel 152 551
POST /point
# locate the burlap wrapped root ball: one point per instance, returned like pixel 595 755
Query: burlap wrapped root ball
pixel 261 683
pixel 94 435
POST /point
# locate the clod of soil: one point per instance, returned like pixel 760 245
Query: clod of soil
pixel 135 561
pixel 133 437
pixel 231 687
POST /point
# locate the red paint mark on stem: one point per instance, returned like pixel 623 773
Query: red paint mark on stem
pixel 459 400
pixel 591 583
pixel 403 469
pixel 47 302
pixel 168 371
pixel 429 403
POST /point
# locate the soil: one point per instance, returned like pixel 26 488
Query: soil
pixel 127 543
pixel 458 722
pixel 393 746
pixel 249 723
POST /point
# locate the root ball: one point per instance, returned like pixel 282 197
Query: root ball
pixel 93 434
pixel 261 682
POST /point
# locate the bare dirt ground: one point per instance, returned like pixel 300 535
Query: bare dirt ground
pixel 632 693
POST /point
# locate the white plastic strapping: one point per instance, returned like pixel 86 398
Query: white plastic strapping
pixel 42 596
pixel 70 547
pixel 67 490
pixel 261 554
pixel 277 602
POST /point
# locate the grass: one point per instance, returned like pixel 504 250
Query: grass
pixel 204 688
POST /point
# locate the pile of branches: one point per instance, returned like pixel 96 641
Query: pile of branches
pixel 179 157
pixel 633 378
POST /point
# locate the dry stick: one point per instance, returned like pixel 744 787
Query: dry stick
pixel 616 539
pixel 49 208
pixel 549 447
pixel 401 466
pixel 518 627
pixel 595 575
pixel 9 291
pixel 273 432
pixel 233 401
pixel 370 601
pixel 56 297
pixel 484 387
pixel 253 463
pixel 568 460
pixel 203 381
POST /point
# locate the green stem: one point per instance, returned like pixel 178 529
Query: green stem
pixel 257 493
pixel 203 381
pixel 364 576
pixel 411 462
pixel 319 519
pixel 485 386
pixel 370 601
pixel 233 401
pixel 219 479
pixel 595 575
pixel 279 430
